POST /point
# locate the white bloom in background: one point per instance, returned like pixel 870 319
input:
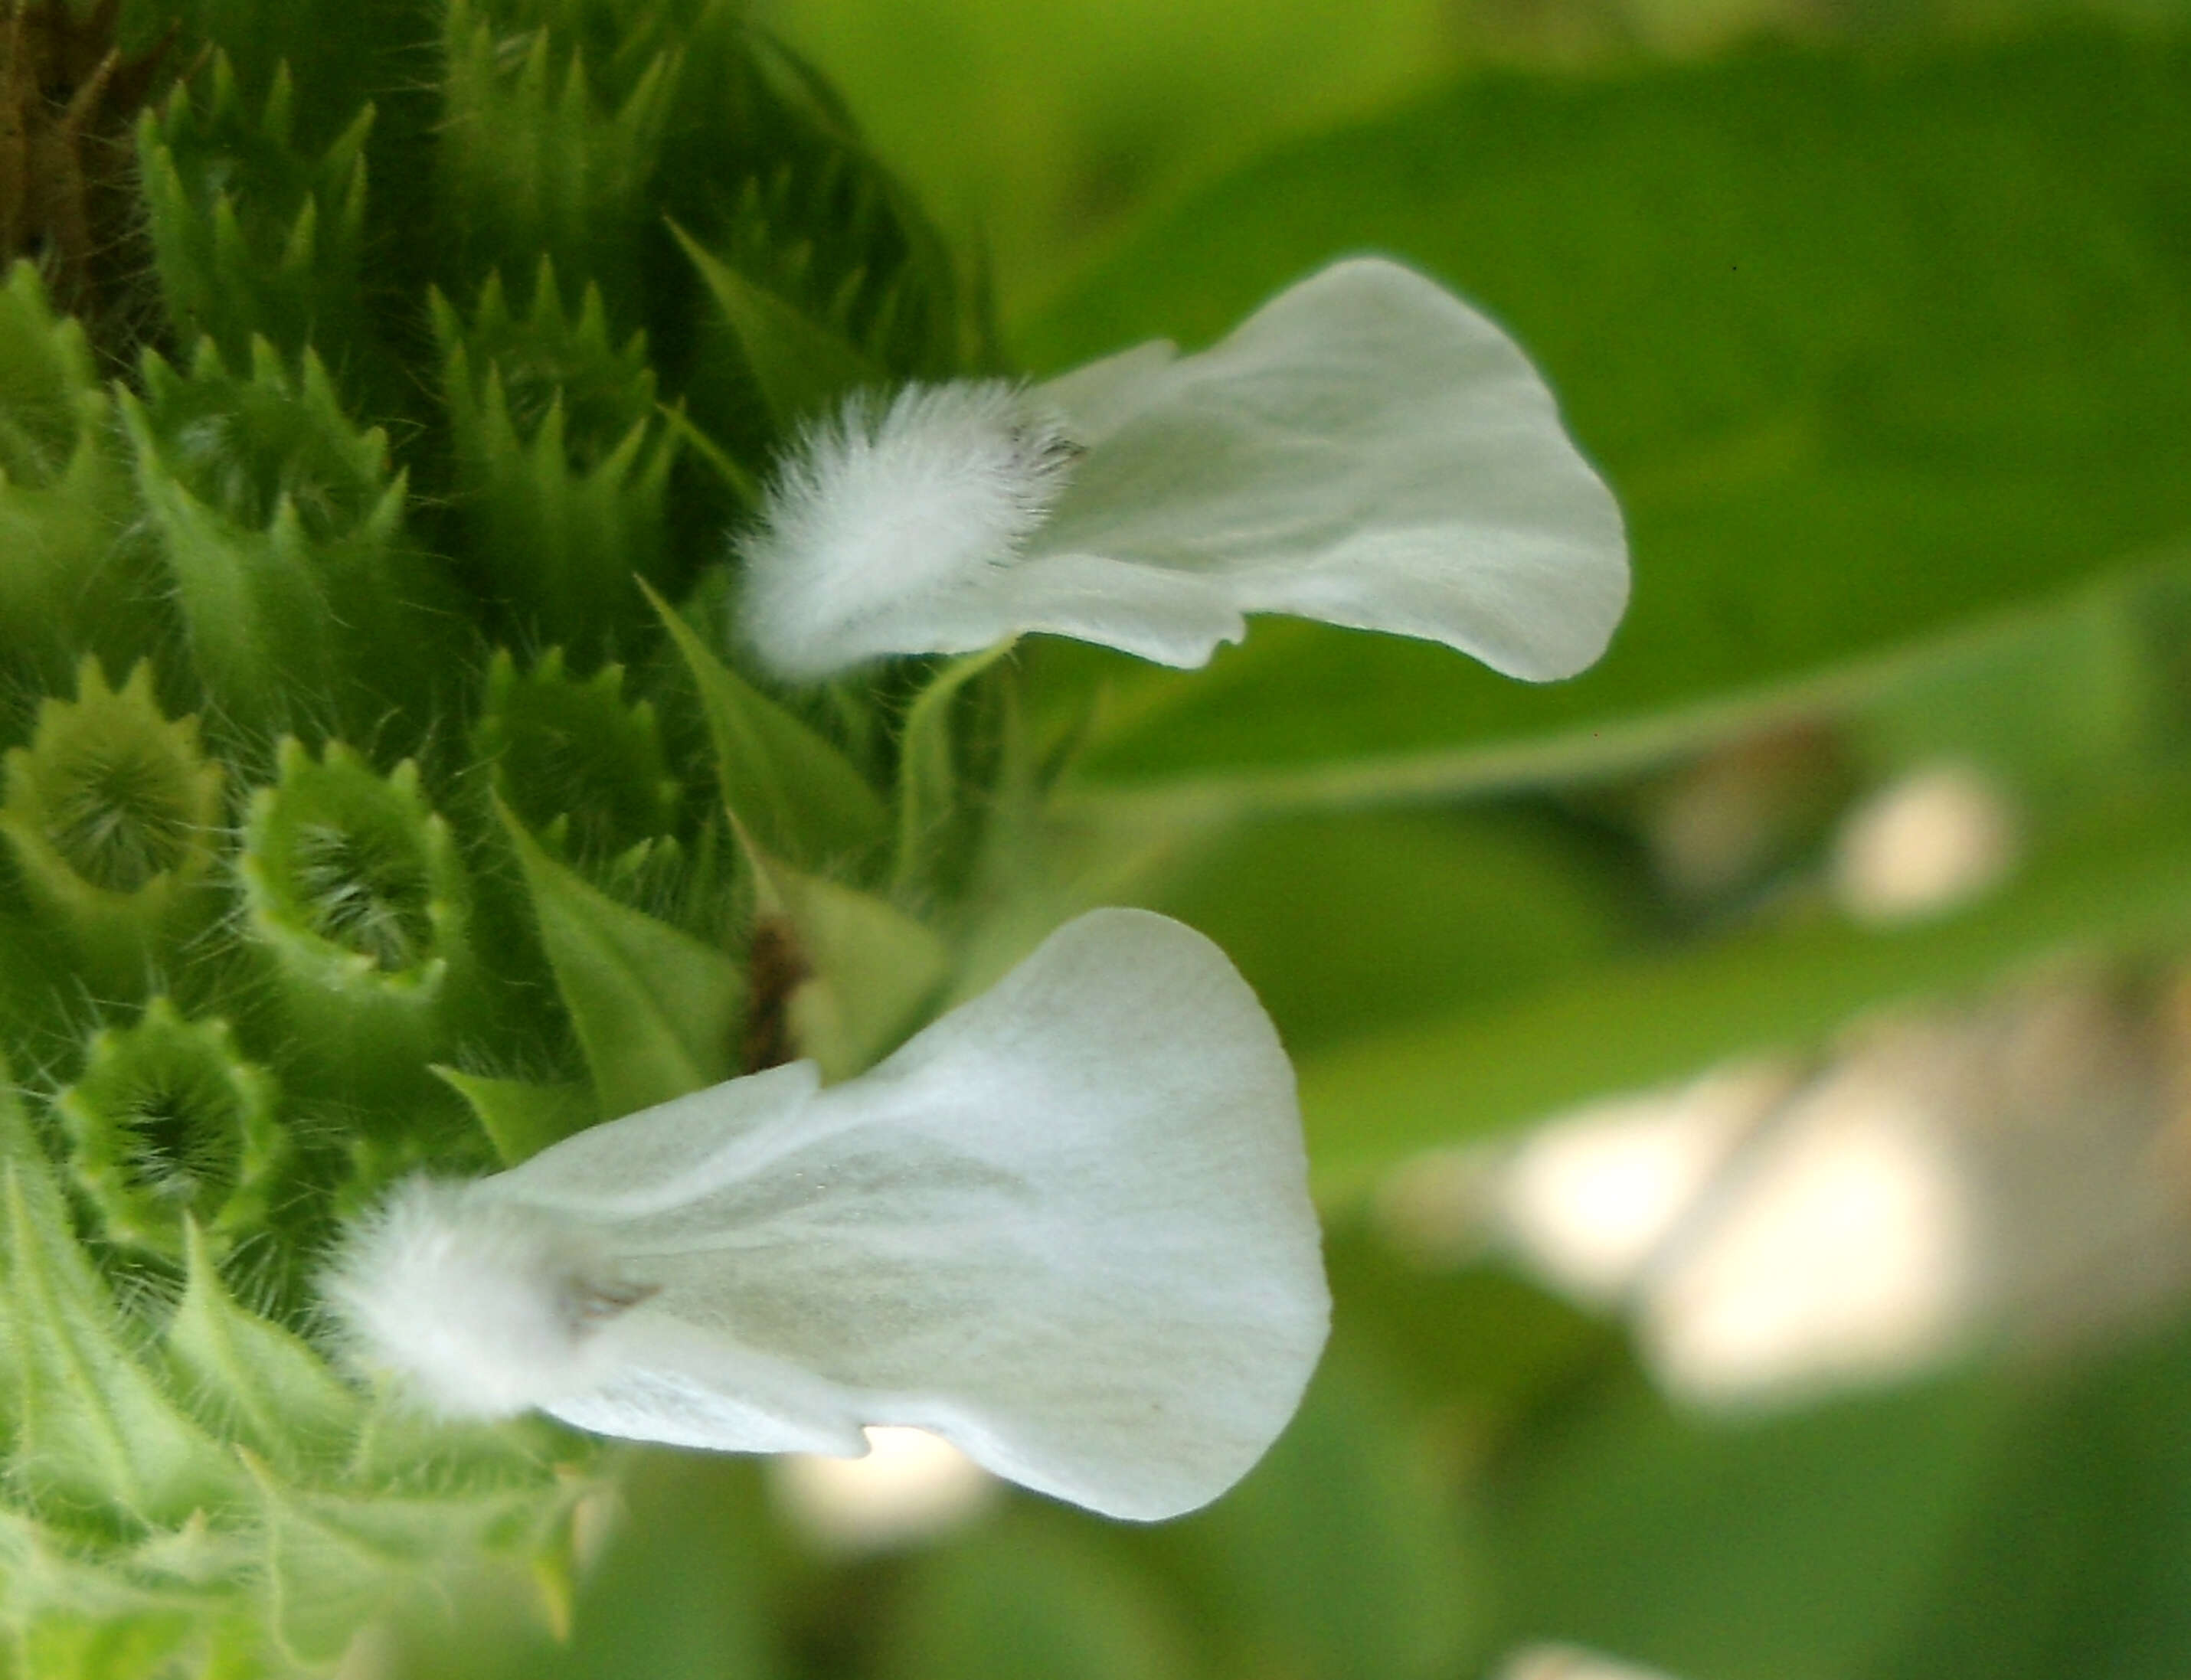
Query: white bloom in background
pixel 1365 449
pixel 1066 1228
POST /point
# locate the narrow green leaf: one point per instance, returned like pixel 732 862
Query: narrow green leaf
pixel 655 1010
pixel 2122 881
pixel 520 1118
pixel 796 794
pixel 928 786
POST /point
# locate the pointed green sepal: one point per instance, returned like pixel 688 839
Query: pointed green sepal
pixel 801 366
pixel 333 1561
pixel 543 153
pixel 861 972
pixel 655 1010
pixel 933 811
pixel 787 786
pixel 92 1427
pixel 521 1117
pixel 252 1381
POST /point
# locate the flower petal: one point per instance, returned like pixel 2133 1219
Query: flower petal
pixel 1065 1226
pixel 1365 449
pixel 887 517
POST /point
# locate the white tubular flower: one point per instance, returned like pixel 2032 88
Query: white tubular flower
pixel 1365 449
pixel 1066 1227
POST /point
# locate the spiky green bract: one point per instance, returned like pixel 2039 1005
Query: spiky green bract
pixel 561 462
pixel 362 814
pixel 574 759
pixel 544 153
pixel 190 1489
pixel 66 581
pixel 583 131
pixel 253 237
pixel 169 1125
pixel 115 820
pixel 282 526
pixel 356 895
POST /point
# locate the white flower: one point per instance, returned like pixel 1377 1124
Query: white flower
pixel 1066 1227
pixel 1364 449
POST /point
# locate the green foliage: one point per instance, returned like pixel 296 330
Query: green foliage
pixel 1869 351
pixel 785 784
pixel 383 793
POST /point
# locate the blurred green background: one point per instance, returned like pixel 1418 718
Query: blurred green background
pixel 1864 1357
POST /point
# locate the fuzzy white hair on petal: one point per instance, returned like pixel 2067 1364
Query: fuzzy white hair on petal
pixel 887 502
pixel 480 1308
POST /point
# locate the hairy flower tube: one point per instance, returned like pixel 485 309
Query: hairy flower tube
pixel 1364 449
pixel 1065 1226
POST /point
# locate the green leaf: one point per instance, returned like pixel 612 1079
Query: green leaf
pixel 1032 1595
pixel 2077 1558
pixel 521 1119
pixel 333 1562
pixel 1867 350
pixel 791 789
pixel 1341 1554
pixel 655 1010
pixel 2119 881
pixel 1782 1549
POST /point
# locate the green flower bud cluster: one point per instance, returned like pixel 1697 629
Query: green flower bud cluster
pixel 377 794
